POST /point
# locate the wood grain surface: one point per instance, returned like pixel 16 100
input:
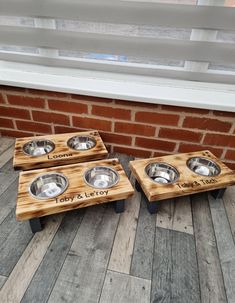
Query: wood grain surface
pixel 62 154
pixel 78 193
pixel 209 267
pixel 188 182
pixel 120 288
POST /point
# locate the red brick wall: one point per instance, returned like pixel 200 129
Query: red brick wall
pixel 140 129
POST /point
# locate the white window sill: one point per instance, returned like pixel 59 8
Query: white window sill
pixel 120 86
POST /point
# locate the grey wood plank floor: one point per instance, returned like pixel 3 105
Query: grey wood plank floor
pixel 185 253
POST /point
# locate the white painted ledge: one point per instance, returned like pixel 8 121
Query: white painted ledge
pixel 120 86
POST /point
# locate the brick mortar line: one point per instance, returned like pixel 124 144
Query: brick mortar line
pixel 70 120
pixel 182 116
pixel 203 137
pixel 46 104
pixel 223 154
pixel 136 135
pixel 53 128
pixel 165 139
pixel 14 123
pixel 69 98
pixel 111 104
pixel 112 126
pixel 130 146
pixel 176 147
pixel 5 98
pixel 232 130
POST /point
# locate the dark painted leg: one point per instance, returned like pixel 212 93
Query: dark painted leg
pixel 35 224
pixel 151 206
pixel 218 193
pixel 119 206
pixel 137 186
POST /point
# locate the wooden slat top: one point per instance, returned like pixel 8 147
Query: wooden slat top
pixel 78 193
pixel 188 182
pixel 62 154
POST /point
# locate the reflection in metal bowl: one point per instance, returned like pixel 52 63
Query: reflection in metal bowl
pixel 81 142
pixel 48 186
pixel 162 173
pixel 37 148
pixel 203 166
pixel 101 177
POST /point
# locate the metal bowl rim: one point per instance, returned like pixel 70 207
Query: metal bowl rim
pixel 41 175
pixel 86 136
pixel 171 166
pixel 101 166
pixel 209 160
pixel 40 140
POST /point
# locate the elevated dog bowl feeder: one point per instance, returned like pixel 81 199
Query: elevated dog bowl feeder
pixel 61 149
pixel 182 174
pixel 53 190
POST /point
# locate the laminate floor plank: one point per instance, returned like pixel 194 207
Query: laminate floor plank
pixel 2 281
pixel 14 238
pixel 45 277
pixel 6 156
pixel 142 259
pixel 5 143
pixel 121 288
pixel 83 273
pixel 175 272
pixel 210 274
pixel 229 204
pixel 123 245
pixel 8 200
pixel 225 244
pixel 175 214
pixel 22 274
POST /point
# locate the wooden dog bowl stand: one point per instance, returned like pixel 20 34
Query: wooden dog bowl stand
pixel 61 155
pixel 78 194
pixel 187 183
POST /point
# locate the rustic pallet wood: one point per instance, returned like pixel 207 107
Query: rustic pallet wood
pixel 78 193
pixel 20 277
pixel 120 288
pixel 62 154
pixel 46 275
pixel 83 273
pixel 188 182
pixel 142 259
pixel 210 275
pixel 225 244
pixel 174 277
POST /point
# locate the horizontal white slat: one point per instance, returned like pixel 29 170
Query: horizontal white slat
pixel 119 86
pixel 118 67
pixel 119 45
pixel 186 16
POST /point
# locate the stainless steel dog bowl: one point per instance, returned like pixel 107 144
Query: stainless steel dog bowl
pixel 37 148
pixel 48 186
pixel 203 166
pixel 162 172
pixel 101 177
pixel 81 142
